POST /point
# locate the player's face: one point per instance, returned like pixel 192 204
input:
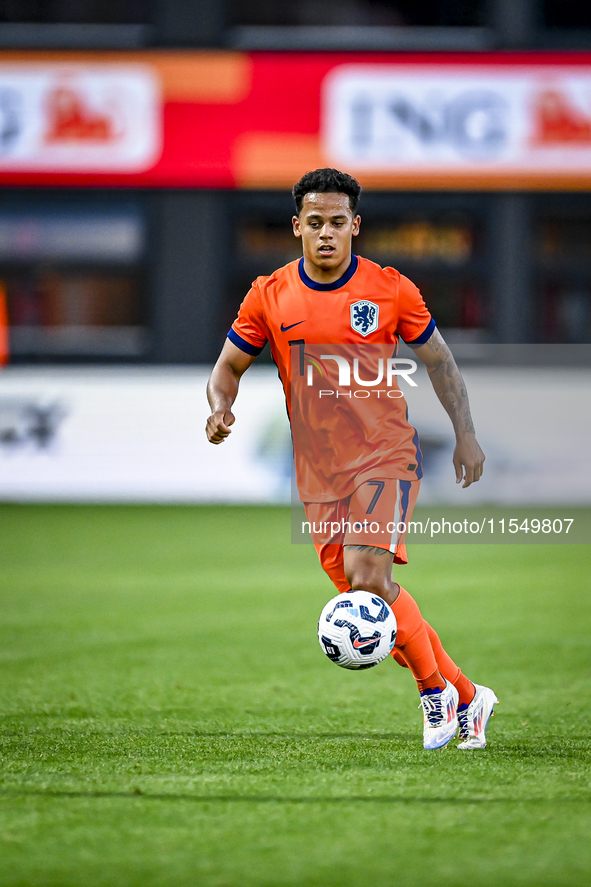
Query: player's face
pixel 326 226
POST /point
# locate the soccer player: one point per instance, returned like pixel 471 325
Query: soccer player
pixel 361 457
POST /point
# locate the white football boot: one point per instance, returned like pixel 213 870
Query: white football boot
pixel 440 718
pixel 473 720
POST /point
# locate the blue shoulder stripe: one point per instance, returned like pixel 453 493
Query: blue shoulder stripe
pixel 241 343
pixel 425 335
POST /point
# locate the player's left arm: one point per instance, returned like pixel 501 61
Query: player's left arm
pixel 450 388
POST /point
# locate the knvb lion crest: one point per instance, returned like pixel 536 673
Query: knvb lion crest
pixel 364 317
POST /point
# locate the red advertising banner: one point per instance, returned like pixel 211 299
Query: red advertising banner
pixel 260 120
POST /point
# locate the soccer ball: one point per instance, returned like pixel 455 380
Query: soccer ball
pixel 357 629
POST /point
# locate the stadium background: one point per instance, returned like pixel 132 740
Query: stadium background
pixel 146 156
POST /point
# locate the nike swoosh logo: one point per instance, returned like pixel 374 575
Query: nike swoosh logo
pixel 357 643
pixel 284 329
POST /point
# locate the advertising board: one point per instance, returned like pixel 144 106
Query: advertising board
pixel 123 435
pixel 260 120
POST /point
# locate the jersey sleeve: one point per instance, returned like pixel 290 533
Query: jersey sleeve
pixel 249 330
pixel 415 323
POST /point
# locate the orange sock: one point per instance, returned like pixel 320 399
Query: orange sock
pixel 449 669
pixel 412 641
pixel 435 681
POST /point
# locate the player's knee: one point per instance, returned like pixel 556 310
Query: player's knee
pixel 367 580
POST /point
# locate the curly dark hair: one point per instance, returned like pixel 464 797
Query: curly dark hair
pixel 327 181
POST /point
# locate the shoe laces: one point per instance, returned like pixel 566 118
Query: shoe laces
pixel 433 707
pixel 463 724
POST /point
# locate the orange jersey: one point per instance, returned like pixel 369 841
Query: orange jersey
pixel 333 345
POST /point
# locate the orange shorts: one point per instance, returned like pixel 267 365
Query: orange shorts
pixel 376 514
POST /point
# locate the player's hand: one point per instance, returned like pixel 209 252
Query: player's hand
pixel 468 459
pixel 218 426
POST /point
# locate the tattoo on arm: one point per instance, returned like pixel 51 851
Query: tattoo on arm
pixel 449 387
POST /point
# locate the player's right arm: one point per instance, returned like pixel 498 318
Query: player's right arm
pixel 222 389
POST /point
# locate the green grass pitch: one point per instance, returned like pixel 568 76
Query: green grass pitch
pixel 168 717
